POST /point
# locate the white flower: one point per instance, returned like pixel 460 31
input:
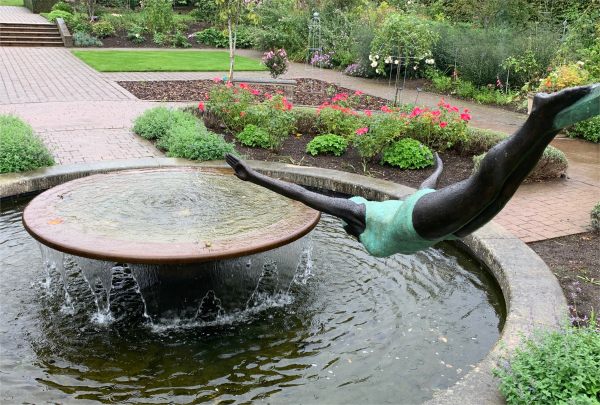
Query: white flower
pixel 371 58
pixel 415 67
pixel 374 64
pixel 396 61
pixel 580 63
pixel 429 61
pixel 376 57
pixel 388 59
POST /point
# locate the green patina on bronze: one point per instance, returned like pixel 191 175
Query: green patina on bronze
pixel 587 107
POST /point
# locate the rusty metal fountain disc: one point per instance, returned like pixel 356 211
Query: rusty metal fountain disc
pixel 173 215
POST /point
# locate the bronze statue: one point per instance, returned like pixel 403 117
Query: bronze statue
pixel 429 216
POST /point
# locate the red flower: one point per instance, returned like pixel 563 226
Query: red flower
pixel 358 93
pixel 368 113
pixel 362 131
pixel 415 112
pixel 255 92
pixel 268 96
pixel 242 113
pixel 217 80
pixel 455 109
pixel 229 85
pixel 436 113
pixel 201 106
pixel 465 117
pixel 244 86
pixel 386 109
pixel 443 124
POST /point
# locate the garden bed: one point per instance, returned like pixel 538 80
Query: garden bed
pixel 120 40
pixel 310 92
pixel 574 261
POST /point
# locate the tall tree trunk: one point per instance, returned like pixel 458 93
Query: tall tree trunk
pixel 231 47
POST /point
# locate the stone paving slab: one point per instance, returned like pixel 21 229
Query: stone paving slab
pixel 37 75
pixel 11 14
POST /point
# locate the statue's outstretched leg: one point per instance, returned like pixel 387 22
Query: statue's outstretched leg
pixel 349 211
pixel 463 207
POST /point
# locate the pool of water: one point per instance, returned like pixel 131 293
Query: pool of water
pixel 349 328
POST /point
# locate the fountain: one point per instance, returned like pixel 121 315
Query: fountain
pixel 286 319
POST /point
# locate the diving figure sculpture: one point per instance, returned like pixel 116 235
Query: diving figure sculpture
pixel 429 215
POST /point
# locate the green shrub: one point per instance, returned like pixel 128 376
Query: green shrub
pixel 207 11
pixel 135 34
pixel 273 117
pixel 254 137
pixel 83 39
pixel 588 130
pixel 558 367
pixel 159 38
pixel 179 40
pixel 228 105
pixel 439 81
pixel 283 26
pixel 479 141
pixel 159 15
pixel 80 22
pixel 408 153
pixel 155 123
pixel 551 165
pixel 329 143
pixel 65 15
pixel 338 122
pixel 103 29
pixel 212 37
pixel 595 216
pixel 402 35
pixel 196 143
pixel 62 6
pixel 306 120
pixel 20 149
pixel 480 57
pixel 384 129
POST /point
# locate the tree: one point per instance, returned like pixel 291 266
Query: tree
pixel 233 11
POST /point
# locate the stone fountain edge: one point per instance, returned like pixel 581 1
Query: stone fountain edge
pixel 532 294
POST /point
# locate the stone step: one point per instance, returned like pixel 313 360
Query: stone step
pixel 46 33
pixel 31 43
pixel 32 27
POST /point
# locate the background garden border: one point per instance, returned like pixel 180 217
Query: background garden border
pixel 532 294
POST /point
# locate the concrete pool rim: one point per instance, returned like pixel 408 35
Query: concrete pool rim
pixel 533 297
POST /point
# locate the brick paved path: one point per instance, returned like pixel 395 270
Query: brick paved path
pixel 85 116
pixel 9 14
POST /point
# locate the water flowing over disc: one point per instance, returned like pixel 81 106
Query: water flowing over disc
pixel 173 215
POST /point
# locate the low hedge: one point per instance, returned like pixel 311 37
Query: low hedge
pixel 20 149
pixel 40 6
pixel 553 163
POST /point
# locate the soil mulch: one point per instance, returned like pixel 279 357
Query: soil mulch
pixel 575 261
pixel 311 92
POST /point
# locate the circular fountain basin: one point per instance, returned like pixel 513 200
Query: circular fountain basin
pixel 174 215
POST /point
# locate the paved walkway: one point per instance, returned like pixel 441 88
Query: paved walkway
pixel 10 14
pixel 84 116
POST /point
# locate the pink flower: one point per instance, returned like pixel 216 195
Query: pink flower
pixel 244 86
pixel 386 109
pixel 455 109
pixel 415 112
pixel 229 85
pixel 358 93
pixel 217 80
pixel 362 131
pixel 465 117
pixel 436 113
pixel 368 113
pixel 443 124
pixel 255 92
pixel 201 106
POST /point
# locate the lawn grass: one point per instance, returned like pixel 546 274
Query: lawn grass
pixel 165 61
pixel 11 3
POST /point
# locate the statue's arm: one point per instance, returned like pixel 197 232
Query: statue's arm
pixel 349 211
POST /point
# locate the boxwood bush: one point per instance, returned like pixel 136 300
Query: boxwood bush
pixel 408 153
pixel 328 143
pixel 20 150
